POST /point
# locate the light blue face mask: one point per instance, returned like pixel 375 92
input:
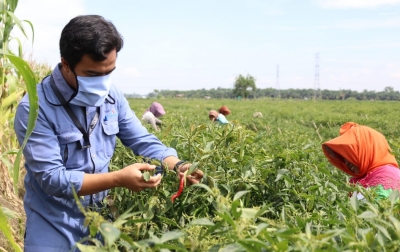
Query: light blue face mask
pixel 92 91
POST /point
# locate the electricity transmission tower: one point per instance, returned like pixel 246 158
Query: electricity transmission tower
pixel 317 90
pixel 277 91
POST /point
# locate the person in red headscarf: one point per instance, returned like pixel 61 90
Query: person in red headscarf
pixel 224 110
pixel 152 114
pixel 364 154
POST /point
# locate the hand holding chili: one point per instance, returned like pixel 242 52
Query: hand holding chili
pixel 181 186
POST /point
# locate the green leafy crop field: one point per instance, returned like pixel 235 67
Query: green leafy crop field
pixel 267 184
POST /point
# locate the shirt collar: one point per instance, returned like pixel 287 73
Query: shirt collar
pixel 61 84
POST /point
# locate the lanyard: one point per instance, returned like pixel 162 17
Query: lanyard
pixel 73 117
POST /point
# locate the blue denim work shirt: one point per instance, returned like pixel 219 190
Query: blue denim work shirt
pixel 55 164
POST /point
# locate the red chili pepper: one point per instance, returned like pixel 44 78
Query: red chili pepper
pixel 181 185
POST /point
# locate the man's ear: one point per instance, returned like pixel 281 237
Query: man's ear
pixel 65 64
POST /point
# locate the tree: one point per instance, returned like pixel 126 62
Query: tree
pixel 243 85
pixel 389 89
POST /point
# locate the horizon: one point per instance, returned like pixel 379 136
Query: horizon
pixel 210 89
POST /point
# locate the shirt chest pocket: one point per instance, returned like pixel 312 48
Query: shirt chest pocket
pixel 70 150
pixel 110 130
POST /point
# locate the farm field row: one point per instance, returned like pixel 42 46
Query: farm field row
pixel 267 184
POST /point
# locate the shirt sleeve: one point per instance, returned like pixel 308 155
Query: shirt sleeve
pixel 382 193
pixel 135 136
pixel 42 155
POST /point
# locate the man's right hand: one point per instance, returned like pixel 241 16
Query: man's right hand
pixel 131 177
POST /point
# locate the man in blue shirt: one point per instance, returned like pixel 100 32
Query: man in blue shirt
pixel 80 115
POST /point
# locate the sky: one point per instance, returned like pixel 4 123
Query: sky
pixel 187 45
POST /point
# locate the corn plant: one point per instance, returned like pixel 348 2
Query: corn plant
pixel 12 68
pixel 14 72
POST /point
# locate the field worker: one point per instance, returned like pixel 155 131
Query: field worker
pixel 151 115
pixel 217 117
pixel 80 115
pixel 258 114
pixel 224 110
pixel 364 154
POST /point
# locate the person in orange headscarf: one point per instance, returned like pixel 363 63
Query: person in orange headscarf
pixel 364 154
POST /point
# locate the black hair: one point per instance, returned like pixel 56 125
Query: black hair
pixel 89 34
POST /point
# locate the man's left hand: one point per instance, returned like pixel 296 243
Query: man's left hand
pixel 193 178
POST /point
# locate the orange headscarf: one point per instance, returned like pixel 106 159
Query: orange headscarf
pixel 224 110
pixel 363 146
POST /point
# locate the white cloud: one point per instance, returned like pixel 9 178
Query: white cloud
pixel 364 24
pixel 394 70
pixel 48 18
pixel 354 4
pixel 131 72
pixel 267 7
pixel 395 75
pixel 366 46
pixel 359 76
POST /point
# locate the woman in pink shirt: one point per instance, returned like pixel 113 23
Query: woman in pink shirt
pixel 364 154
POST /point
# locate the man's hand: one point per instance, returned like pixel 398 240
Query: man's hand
pixel 131 177
pixel 193 178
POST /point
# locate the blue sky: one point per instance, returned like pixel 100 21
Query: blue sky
pixel 187 45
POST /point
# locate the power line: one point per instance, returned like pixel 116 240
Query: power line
pixel 278 90
pixel 317 90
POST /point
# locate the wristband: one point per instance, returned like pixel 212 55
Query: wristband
pixel 178 164
pixel 159 170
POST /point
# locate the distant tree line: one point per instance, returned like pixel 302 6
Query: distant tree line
pixel 245 87
pixel 387 94
pixel 134 96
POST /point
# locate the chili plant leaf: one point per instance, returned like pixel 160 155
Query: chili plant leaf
pixel 354 202
pixel 109 232
pixel 238 195
pixel 367 215
pixel 233 248
pixel 193 167
pixel 172 235
pixel 208 189
pixel 202 222
pixel 146 176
